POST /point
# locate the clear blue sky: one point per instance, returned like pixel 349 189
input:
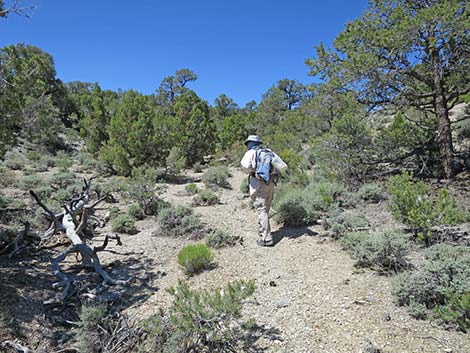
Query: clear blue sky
pixel 238 47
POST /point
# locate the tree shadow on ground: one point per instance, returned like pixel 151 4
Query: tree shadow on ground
pixel 250 340
pixel 24 282
pixel 183 179
pixel 291 233
pixel 31 307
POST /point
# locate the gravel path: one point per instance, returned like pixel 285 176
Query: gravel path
pixel 309 294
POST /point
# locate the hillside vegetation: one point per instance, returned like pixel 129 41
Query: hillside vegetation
pixel 372 217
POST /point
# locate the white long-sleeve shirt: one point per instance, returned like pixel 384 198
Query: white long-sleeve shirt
pixel 248 161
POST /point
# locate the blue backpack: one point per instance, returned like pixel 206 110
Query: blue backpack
pixel 263 164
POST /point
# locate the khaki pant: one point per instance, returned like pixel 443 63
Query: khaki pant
pixel 262 196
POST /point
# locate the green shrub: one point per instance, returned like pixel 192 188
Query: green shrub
pixel 44 191
pixel 123 223
pixel 14 160
pixel 113 184
pixel 372 192
pixel 411 204
pixel 113 212
pixel 33 156
pixel 441 281
pixel 87 335
pixel 194 258
pixel 5 201
pixel 217 176
pixel 28 170
pixel 220 311
pixel 38 167
pixel 408 198
pixel 245 186
pixel 303 206
pixel 349 199
pixel 29 182
pixel 219 239
pixel 191 189
pixel 291 208
pixel 62 179
pixel 417 310
pixel 385 250
pixel 143 189
pixel 205 198
pixel 339 222
pixel 91 316
pixel 447 211
pixel 63 161
pixel 197 167
pixel 343 150
pixel 86 161
pixel 179 221
pixel 175 161
pixel 7 177
pixel 63 195
pixel 297 166
pixel 135 212
pixel 456 311
pixel 48 161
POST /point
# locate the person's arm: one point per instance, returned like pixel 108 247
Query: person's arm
pixel 247 162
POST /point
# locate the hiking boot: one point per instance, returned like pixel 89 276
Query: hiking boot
pixel 265 243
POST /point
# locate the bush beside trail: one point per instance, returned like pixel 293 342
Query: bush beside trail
pixel 411 203
pixel 180 221
pixel 439 289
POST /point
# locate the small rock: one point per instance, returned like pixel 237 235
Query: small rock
pixel 448 350
pixel 272 284
pixel 283 303
pixel 359 302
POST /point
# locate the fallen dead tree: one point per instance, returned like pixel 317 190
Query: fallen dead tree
pixel 73 221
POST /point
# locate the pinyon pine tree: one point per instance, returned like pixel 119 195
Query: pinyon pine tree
pixel 407 53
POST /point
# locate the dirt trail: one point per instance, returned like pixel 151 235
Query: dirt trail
pixel 308 291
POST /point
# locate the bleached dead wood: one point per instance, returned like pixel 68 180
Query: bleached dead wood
pixel 17 346
pixel 91 255
pixel 66 221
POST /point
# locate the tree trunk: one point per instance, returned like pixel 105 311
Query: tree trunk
pixel 444 133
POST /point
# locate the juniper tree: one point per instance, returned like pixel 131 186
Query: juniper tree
pixel 28 90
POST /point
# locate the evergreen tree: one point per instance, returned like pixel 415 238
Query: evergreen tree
pixel 407 53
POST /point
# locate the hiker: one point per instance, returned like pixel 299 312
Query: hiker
pixel 258 163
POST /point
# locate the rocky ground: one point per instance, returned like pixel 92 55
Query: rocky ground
pixel 309 296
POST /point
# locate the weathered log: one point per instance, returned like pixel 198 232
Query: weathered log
pixel 17 346
pixel 86 252
pixel 66 221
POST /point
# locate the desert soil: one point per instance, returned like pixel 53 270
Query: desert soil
pixel 309 298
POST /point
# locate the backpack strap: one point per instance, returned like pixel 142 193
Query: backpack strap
pixel 257 150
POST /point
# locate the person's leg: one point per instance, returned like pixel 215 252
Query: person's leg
pixel 262 203
pixel 269 194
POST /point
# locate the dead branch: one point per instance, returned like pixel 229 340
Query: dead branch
pixel 74 228
pixel 18 347
pixel 67 280
pixel 17 9
pixel 55 225
pixel 17 243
